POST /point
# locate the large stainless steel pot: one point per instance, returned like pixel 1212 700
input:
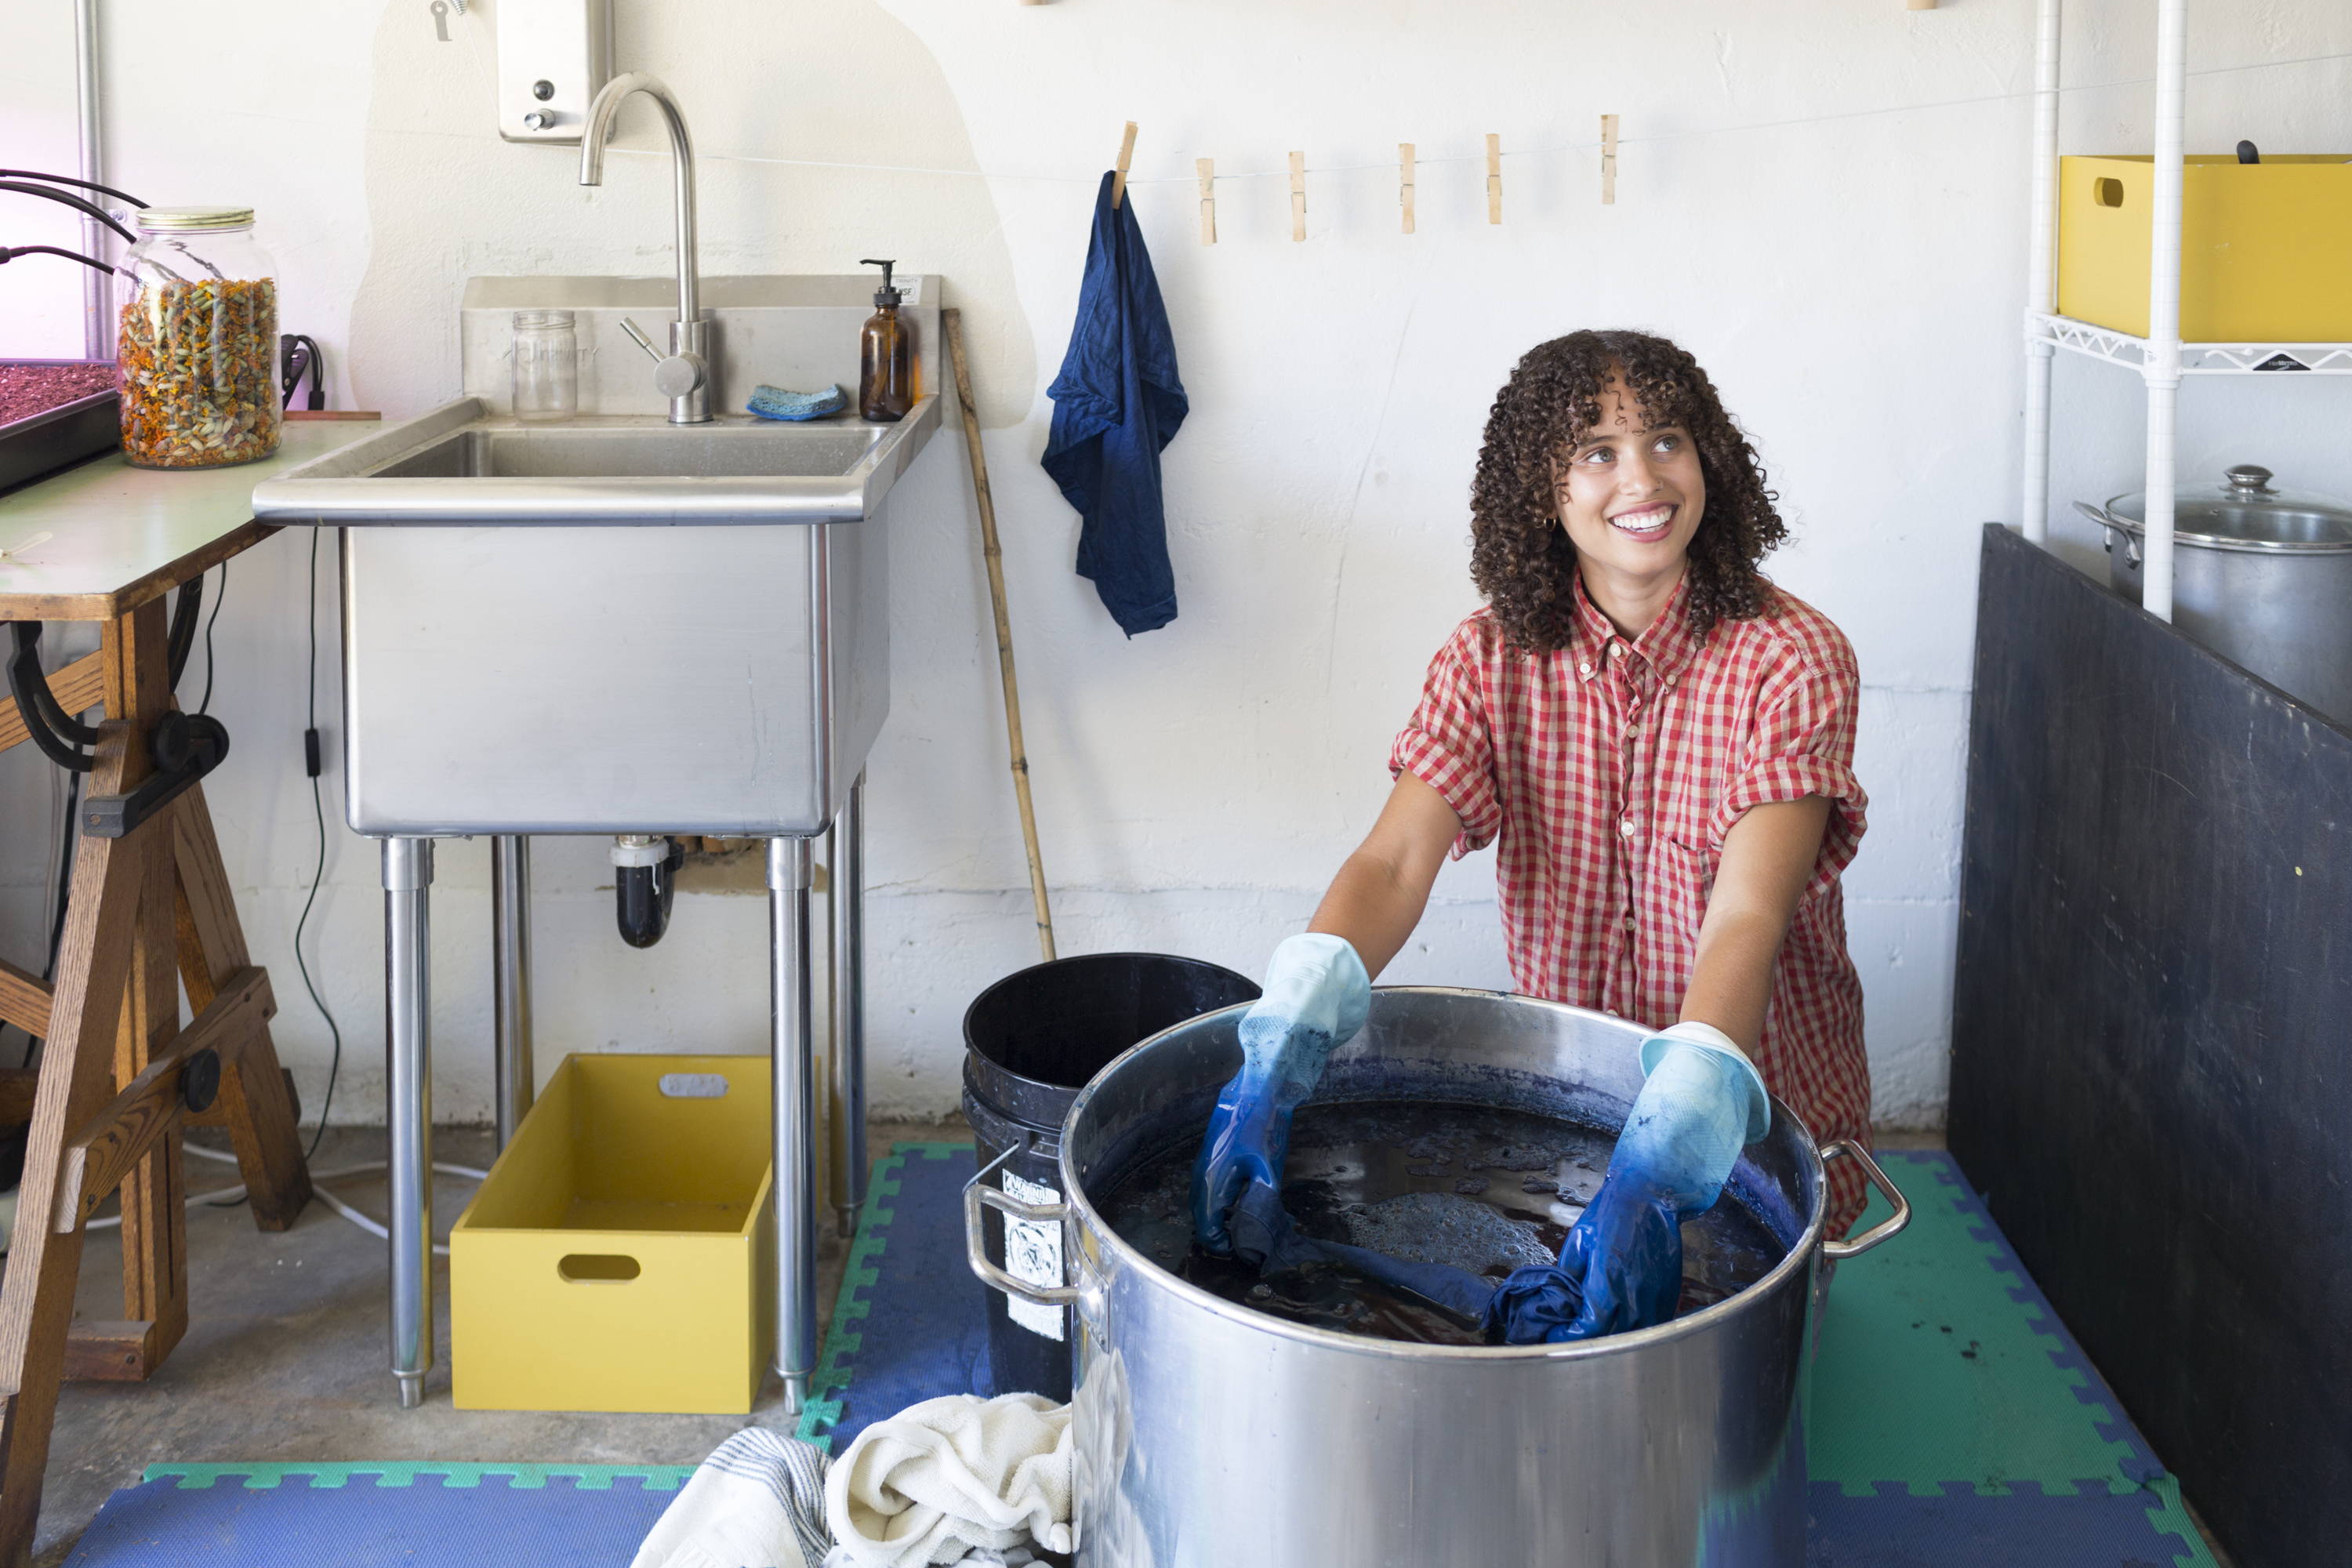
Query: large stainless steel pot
pixel 2262 576
pixel 1212 1437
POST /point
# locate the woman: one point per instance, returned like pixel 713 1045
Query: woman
pixel 1662 742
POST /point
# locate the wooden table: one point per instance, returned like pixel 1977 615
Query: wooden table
pixel 119 1076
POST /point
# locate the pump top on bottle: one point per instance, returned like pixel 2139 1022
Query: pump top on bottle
pixel 886 379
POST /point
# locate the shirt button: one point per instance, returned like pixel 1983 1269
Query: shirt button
pixel 1584 670
pixel 1634 728
pixel 1614 1014
pixel 1626 828
pixel 1629 922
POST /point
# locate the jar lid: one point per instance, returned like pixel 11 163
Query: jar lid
pixel 540 320
pixel 192 220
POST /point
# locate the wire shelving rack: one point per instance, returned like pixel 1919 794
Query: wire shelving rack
pixel 2162 358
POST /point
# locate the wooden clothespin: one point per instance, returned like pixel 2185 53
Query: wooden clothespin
pixel 1118 177
pixel 1298 196
pixel 1404 182
pixel 1207 169
pixel 1607 160
pixel 1493 178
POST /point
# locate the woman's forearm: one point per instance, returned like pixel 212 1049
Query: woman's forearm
pixel 1377 899
pixel 1768 857
pixel 1731 976
pixel 1370 905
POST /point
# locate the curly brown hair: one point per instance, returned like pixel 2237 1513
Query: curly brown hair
pixel 1520 555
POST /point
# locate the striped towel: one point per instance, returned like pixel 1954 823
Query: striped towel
pixel 758 1501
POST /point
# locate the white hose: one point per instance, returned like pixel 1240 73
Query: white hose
pixel 230 1195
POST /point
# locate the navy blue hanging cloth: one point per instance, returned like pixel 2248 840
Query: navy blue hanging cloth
pixel 1116 405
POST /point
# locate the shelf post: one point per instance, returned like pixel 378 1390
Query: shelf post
pixel 2163 367
pixel 2041 291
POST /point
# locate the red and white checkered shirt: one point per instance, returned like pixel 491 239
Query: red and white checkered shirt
pixel 1612 769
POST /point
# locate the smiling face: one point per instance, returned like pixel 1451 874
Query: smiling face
pixel 1631 495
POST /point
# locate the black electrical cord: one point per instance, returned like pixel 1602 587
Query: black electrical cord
pixel 65 893
pixel 220 591
pixel 310 761
pixel 89 209
pixel 69 180
pixel 297 355
pixel 10 252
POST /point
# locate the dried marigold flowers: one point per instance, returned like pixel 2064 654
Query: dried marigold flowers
pixel 198 362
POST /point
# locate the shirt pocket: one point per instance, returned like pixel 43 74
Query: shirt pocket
pixel 1682 876
pixel 1688 824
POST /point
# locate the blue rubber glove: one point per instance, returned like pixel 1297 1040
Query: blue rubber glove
pixel 1622 1266
pixel 1316 994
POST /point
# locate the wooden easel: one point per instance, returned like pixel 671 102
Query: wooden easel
pixel 148 913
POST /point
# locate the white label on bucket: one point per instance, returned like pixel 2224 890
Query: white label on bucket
pixel 1032 1252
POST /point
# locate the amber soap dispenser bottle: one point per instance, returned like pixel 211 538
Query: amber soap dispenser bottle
pixel 886 374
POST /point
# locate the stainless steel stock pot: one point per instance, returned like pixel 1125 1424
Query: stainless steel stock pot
pixel 1212 1437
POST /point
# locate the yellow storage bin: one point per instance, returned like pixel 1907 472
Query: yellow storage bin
pixel 619 1256
pixel 2265 249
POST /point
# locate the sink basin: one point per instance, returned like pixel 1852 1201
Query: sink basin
pixel 708 451
pixel 464 464
pixel 583 626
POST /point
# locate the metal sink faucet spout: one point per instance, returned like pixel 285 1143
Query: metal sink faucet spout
pixel 683 376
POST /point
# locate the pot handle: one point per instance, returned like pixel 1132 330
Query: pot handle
pixel 1884 1228
pixel 2109 528
pixel 979 1193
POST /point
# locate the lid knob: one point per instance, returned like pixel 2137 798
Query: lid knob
pixel 2249 479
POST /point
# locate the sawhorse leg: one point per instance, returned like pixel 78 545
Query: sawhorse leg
pixel 110 1095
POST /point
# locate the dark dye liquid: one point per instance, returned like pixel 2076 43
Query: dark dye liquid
pixel 1476 1187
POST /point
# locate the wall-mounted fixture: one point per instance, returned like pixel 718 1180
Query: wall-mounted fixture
pixel 553 56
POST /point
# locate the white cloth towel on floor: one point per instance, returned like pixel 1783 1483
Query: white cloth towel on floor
pixel 979 1557
pixel 756 1502
pixel 945 1477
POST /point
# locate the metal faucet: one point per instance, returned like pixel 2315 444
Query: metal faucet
pixel 683 376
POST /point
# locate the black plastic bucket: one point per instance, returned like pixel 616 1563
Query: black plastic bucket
pixel 1030 1042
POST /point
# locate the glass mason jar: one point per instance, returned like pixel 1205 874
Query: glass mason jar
pixel 546 365
pixel 198 351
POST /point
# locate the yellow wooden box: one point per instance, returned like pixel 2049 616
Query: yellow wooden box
pixel 619 1256
pixel 2265 249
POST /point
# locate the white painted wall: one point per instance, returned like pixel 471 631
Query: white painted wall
pixel 1824 201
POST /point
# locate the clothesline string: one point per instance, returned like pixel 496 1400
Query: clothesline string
pixel 1479 158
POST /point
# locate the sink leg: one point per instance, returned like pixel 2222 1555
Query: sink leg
pixel 792 1022
pixel 510 979
pixel 408 1088
pixel 846 900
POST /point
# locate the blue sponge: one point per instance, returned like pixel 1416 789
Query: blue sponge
pixel 775 402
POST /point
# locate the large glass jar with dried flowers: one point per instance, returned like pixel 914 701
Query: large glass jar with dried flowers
pixel 199 345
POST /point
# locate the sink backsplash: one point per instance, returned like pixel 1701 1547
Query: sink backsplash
pixel 799 332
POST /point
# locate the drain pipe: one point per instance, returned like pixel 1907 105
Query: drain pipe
pixel 645 880
pixel 96 336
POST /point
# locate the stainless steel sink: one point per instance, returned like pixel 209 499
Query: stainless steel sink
pixel 610 625
pixel 462 463
pixel 704 451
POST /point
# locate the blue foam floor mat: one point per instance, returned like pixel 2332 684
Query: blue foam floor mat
pixel 379 1516
pixel 1912 1385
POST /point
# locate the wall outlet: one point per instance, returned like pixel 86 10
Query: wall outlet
pixel 553 56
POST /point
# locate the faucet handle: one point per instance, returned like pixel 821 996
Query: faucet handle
pixel 637 335
pixel 675 373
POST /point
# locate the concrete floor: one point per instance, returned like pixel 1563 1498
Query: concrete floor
pixel 285 1356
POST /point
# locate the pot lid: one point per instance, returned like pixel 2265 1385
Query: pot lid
pixel 2245 512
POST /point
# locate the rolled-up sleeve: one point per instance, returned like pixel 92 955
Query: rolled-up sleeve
pixel 1449 743
pixel 1803 744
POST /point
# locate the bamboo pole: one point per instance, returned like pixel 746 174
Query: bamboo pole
pixel 994 555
